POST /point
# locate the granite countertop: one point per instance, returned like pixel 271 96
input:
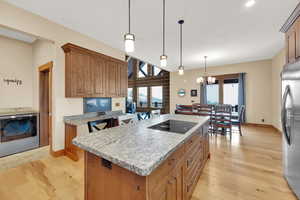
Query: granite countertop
pixel 16 111
pixel 134 146
pixel 77 120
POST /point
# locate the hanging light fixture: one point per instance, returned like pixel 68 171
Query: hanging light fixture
pixel 129 38
pixel 164 57
pixel 205 78
pixel 180 68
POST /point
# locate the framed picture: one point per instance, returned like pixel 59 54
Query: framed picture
pixel 193 93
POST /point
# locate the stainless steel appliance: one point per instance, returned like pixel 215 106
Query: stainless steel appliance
pixel 18 133
pixel 290 118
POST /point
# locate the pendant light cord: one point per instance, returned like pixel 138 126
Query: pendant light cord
pixel 164 29
pixel 181 44
pixel 205 57
pixel 129 15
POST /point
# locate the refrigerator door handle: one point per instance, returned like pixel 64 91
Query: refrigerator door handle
pixel 283 115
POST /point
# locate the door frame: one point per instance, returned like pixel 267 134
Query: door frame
pixel 47 67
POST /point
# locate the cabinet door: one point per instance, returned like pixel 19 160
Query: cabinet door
pixel 297 37
pixel 124 79
pixel 176 184
pixel 81 75
pixel 99 73
pixel 160 192
pixel 112 79
pixel 291 45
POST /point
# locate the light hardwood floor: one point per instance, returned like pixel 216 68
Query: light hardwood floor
pixel 247 168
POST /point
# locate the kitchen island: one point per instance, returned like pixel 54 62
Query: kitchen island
pixel 134 162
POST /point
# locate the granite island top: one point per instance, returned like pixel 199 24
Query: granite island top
pixel 136 147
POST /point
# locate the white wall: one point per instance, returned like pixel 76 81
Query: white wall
pixel 43 52
pixel 15 63
pixel 277 65
pixel 19 19
pixel 258 87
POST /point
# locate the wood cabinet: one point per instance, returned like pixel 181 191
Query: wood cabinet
pixel 174 179
pixel 91 74
pixel 291 28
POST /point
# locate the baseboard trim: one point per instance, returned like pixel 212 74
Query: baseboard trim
pixel 259 125
pixel 277 130
pixel 58 153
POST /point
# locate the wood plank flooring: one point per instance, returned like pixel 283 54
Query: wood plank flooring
pixel 247 168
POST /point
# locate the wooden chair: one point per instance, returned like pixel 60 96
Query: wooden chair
pixel 222 118
pixel 238 122
pixel 155 113
pixel 202 109
pixel 184 109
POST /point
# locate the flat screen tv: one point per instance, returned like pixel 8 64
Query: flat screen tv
pixel 96 105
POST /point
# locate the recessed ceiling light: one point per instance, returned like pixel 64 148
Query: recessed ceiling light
pixel 250 3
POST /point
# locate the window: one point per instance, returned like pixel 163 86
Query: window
pixel 130 68
pixel 157 96
pixel 130 95
pixel 142 97
pixel 143 70
pixel 231 92
pixel 212 94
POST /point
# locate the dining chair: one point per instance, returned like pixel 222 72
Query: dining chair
pixel 238 122
pixel 204 110
pixel 222 119
pixel 122 121
pixel 155 113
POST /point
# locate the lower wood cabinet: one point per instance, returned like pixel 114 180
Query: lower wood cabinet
pixel 174 179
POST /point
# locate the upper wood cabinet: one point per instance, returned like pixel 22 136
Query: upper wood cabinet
pixel 291 28
pixel 91 74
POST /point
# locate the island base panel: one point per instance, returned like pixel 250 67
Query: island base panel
pixel 106 181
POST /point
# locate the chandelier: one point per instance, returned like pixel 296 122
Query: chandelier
pixel 206 79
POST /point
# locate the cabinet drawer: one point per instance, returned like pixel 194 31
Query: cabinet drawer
pixel 166 167
pixel 193 156
pixel 190 144
pixel 192 178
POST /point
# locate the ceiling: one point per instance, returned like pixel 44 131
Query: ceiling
pixel 16 35
pixel 224 30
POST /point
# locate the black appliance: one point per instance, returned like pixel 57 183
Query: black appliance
pixel 96 105
pixel 175 126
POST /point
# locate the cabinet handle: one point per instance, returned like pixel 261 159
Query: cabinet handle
pixel 188 188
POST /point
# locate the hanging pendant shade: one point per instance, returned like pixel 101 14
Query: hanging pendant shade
pixel 164 57
pixel 181 68
pixel 129 38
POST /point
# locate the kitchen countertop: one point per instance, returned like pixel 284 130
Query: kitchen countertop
pixel 134 146
pixel 16 111
pixel 78 120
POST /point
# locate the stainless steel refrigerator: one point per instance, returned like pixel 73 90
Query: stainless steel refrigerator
pixel 290 118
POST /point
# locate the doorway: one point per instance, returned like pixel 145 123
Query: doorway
pixel 45 104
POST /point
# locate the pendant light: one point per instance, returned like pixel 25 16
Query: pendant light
pixel 129 38
pixel 164 57
pixel 181 68
pixel 205 78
